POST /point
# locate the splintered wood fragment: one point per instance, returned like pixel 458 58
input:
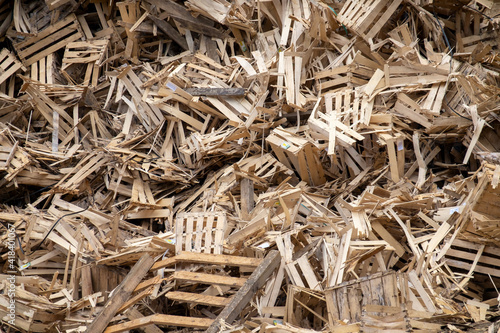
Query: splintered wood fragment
pixel 409 237
pixel 245 294
pixel 121 294
pixel 477 132
pixel 421 291
pixel 136 298
pixel 161 320
pixel 216 91
pixel 385 235
pixel 440 234
pixel 170 31
pixel 395 152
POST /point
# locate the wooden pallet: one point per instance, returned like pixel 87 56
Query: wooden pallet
pixel 366 18
pixel 245 289
pixel 9 65
pixel 200 232
pixel 49 40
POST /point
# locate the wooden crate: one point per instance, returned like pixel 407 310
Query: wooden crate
pixel 366 18
pixel 305 306
pixel 49 40
pixel 200 232
pixel 299 271
pixel 9 65
pixel 365 303
pixel 13 159
pixel 342 112
pixel 264 167
pixel 62 123
pixel 43 70
pixel 471 257
pixel 299 154
pixel 90 54
pixel 353 72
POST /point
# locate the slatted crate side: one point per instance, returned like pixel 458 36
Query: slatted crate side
pixel 352 299
pixel 13 159
pixel 43 70
pixel 265 166
pixel 298 154
pixel 200 232
pixel 367 18
pixel 9 65
pixel 463 255
pixel 88 53
pixel 402 34
pixel 141 193
pixel 49 40
pixel 84 169
pixel 342 107
pixel 53 113
pixel 489 38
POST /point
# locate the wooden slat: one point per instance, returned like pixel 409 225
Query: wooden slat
pixel 49 40
pixel 196 277
pixel 161 320
pixel 192 298
pixel 205 258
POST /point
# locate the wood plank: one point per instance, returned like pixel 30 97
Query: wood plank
pixel 133 314
pixel 196 277
pixel 193 298
pixel 162 320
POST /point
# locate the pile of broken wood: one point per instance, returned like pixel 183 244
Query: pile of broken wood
pixel 250 165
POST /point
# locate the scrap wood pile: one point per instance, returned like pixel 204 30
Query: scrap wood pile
pixel 250 166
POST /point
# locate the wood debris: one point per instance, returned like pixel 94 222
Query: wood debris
pixel 250 166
